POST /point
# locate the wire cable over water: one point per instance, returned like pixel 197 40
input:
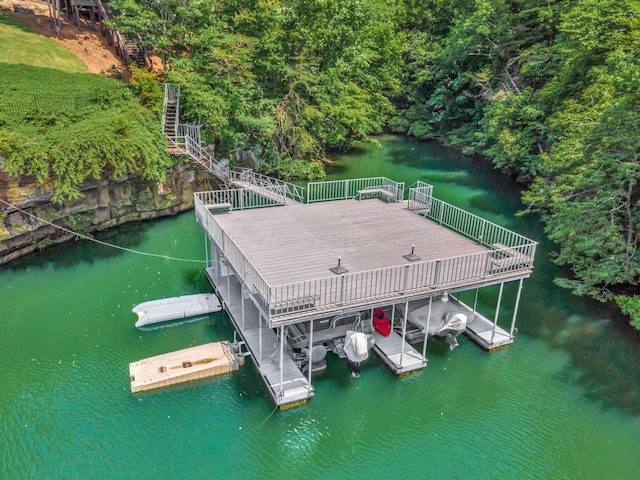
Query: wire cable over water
pixel 85 237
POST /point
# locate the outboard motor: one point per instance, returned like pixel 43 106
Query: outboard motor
pixel 315 359
pixel 454 325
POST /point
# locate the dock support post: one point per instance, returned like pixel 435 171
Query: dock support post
pixel 260 335
pixel 206 250
pixel 515 310
pixel 215 260
pixel 310 350
pixel 475 301
pixel 393 314
pixel 281 358
pixel 242 287
pixel 404 331
pixel 495 320
pixel 228 279
pixel 426 332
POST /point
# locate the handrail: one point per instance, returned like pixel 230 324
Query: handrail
pixel 349 289
pixel 472 226
pixel 245 270
pixel 346 189
pixel 290 190
pixel 117 36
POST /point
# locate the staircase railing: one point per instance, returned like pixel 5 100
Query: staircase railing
pixel 291 190
pixel 185 140
pixel 116 37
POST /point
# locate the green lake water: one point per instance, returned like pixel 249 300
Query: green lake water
pixel 561 402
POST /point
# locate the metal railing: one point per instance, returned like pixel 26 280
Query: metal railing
pixel 508 253
pixel 357 288
pixel 236 199
pixel 346 189
pixel 269 184
pixel 232 254
pixel 420 198
pixel 476 228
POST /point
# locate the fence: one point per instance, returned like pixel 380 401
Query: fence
pixel 267 183
pixel 232 253
pixel 47 103
pixel 346 189
pixel 238 199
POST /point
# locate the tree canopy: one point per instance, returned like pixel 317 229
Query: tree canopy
pixel 548 90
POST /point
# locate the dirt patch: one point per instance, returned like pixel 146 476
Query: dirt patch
pixel 85 42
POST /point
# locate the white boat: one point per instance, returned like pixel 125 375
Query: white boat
pixel 165 309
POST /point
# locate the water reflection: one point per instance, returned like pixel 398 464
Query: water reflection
pixel 604 350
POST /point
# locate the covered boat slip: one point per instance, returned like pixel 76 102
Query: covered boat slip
pixel 288 386
pixel 349 251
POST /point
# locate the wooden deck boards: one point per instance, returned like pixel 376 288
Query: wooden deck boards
pixel 182 366
pixel 301 242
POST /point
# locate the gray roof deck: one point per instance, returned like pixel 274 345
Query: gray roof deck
pixel 302 242
pixel 284 254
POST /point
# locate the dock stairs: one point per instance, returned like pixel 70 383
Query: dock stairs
pixel 183 139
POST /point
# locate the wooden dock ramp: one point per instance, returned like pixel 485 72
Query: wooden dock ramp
pixel 183 366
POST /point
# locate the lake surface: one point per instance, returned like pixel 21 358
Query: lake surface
pixel 561 402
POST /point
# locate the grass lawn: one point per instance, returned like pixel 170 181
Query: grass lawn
pixel 21 45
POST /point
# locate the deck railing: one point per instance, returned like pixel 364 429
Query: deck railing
pixel 232 253
pixel 420 198
pixel 238 199
pixel 353 289
pixel 507 252
pixel 346 189
pixel 476 228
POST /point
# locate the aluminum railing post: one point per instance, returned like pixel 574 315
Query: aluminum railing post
pixel 310 350
pixel 515 310
pixel 426 332
pixel 495 320
pixel 404 332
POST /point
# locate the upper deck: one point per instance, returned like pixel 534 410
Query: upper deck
pixel 284 255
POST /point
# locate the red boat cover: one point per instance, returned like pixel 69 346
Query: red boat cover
pixel 381 322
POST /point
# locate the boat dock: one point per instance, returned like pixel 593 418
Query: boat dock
pixel 287 271
pixel 183 366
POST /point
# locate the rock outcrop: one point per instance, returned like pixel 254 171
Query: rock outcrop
pixel 104 204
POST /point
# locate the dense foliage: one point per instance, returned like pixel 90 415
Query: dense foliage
pixel 88 127
pixel 287 80
pixel 548 90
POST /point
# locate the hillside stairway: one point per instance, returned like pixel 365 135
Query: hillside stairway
pixel 135 52
pixel 184 139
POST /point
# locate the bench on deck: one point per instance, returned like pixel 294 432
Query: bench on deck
pixel 505 258
pixel 376 192
pixel 215 207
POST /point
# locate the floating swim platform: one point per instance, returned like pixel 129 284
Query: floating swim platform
pixel 166 309
pixel 183 366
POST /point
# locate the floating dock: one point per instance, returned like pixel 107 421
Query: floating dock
pixel 167 309
pixel 183 366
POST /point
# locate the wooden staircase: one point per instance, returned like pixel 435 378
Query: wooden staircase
pixel 184 139
pixel 170 126
pixel 135 52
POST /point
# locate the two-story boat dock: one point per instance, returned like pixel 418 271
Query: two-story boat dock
pixel 296 276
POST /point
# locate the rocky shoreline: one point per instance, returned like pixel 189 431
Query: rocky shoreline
pixel 104 204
